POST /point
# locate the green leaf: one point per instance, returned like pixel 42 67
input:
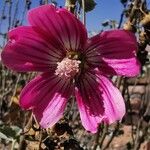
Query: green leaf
pixel 9 133
pixel 3 136
pixel 16 129
pixel 89 5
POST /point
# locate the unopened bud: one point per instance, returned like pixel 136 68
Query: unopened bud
pixel 129 26
pixel 142 37
pixel 146 20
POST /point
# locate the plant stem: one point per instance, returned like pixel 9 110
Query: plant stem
pixel 46 1
pixel 13 144
pixel 70 5
pixel 84 14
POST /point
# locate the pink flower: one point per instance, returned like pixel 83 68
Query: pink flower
pixel 56 44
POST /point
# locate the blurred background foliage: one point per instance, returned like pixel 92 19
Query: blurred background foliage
pixel 19 130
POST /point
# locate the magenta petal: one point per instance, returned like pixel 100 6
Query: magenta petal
pixel 47 95
pixel 125 67
pixel 37 89
pixel 27 51
pixel 113 44
pixel 49 111
pixel 60 24
pixel 113 101
pixel 90 103
pixel 114 51
pixel 98 100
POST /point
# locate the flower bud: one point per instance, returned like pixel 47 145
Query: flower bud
pixel 129 26
pixel 142 37
pixel 146 21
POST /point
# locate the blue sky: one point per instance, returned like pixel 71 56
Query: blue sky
pixel 105 9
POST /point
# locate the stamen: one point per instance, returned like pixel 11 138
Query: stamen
pixel 67 68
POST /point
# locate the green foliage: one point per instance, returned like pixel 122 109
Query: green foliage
pixel 89 5
pixel 9 133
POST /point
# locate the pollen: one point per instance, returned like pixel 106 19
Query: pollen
pixel 67 68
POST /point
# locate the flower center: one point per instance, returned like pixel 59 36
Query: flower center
pixel 67 68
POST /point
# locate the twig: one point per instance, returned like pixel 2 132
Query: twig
pixel 105 130
pixel 84 14
pixel 122 16
pixel 2 14
pixel 131 117
pixel 22 143
pixel 15 13
pixel 134 11
pixel 46 1
pixel 70 5
pixel 112 136
pixel 139 138
pixel 15 88
pixel 97 138
pixel 9 14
